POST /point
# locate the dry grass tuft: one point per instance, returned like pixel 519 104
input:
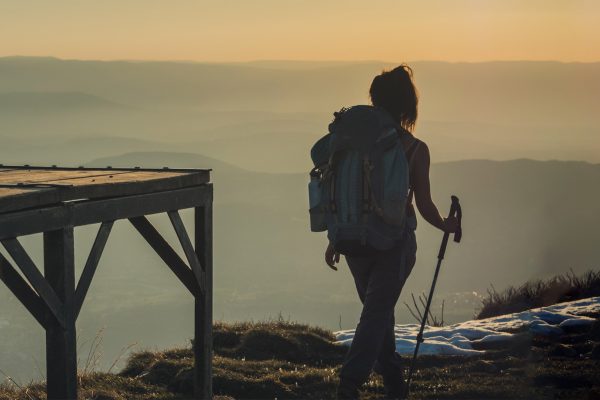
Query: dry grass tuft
pixel 533 294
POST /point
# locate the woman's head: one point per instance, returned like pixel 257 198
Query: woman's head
pixel 395 92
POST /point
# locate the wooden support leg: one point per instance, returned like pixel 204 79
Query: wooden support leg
pixel 203 307
pixel 61 347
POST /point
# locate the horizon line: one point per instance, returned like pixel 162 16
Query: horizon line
pixel 283 60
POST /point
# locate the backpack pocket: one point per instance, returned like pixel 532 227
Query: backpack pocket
pixel 394 209
pixel 316 206
pixel 395 186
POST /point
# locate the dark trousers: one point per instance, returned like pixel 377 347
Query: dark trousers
pixel 379 280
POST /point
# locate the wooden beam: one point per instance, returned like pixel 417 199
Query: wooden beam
pixel 87 212
pixel 22 291
pixel 61 341
pixel 121 183
pixel 35 277
pixel 91 264
pixel 203 342
pixel 188 248
pixel 166 253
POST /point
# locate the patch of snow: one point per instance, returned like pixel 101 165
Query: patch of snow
pixel 496 338
pixel 540 327
pixel 576 322
pixel 458 339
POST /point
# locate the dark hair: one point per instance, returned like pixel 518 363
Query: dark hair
pixel 395 92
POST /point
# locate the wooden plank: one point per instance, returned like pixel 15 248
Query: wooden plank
pixel 90 190
pixel 14 199
pixel 61 340
pixel 166 253
pixel 73 177
pixel 107 168
pixel 35 277
pixel 203 341
pixel 41 176
pixel 91 264
pixel 95 211
pixel 118 177
pixel 188 248
pixel 12 191
pixel 22 291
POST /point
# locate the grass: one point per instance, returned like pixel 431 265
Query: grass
pixel 538 293
pixel 278 359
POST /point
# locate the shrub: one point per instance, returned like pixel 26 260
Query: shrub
pixel 539 293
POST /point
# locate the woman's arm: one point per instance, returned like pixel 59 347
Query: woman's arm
pixel 422 192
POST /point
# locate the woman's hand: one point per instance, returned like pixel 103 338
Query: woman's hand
pixel 332 257
pixel 450 224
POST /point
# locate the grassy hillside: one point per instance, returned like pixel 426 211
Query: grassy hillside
pixel 293 361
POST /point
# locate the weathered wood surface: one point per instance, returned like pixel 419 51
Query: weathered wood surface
pixel 203 308
pixel 21 289
pixel 168 255
pixel 188 249
pixel 61 339
pixel 91 264
pixel 27 187
pixel 54 201
pixel 79 213
pixel 35 278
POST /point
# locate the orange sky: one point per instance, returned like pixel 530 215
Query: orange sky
pixel 228 30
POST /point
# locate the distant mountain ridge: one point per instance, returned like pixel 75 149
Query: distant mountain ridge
pixel 522 205
pixel 50 101
pixel 549 90
pixel 493 110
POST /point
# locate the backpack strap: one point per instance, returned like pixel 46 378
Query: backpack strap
pixel 410 155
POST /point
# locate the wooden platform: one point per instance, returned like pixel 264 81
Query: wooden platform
pixel 53 201
pixel 24 187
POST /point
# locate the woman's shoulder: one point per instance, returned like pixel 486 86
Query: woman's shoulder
pixel 421 149
pixel 421 145
pixel 412 143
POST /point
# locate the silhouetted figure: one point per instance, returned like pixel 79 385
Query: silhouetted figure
pixel 379 268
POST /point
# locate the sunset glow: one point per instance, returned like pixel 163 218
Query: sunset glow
pixel 302 30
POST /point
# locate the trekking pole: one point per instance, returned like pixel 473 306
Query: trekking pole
pixel 454 210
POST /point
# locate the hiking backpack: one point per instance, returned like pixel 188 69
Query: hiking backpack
pixel 359 185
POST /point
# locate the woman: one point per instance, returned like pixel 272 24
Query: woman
pixel 379 278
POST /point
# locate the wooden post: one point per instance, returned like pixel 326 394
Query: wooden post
pixel 203 306
pixel 61 346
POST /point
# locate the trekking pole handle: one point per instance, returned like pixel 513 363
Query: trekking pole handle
pixel 455 210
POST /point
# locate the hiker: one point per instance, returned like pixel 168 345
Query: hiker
pixel 380 272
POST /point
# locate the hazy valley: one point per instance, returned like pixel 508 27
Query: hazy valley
pixel 253 124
